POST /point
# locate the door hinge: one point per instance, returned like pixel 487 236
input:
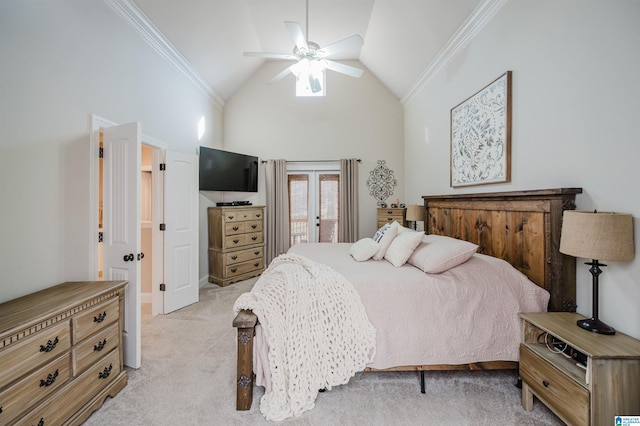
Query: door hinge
pixel 101 152
pixel 163 167
pixel 100 237
pixel 163 227
pixel 163 287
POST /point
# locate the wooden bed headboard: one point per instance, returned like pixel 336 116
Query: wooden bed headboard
pixel 521 227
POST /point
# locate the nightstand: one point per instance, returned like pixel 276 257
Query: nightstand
pixel 592 394
pixel 391 214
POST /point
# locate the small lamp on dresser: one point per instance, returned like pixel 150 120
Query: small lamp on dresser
pixel 415 214
pixel 597 236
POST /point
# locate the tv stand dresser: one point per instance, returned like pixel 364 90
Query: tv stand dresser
pixel 236 243
pixel 61 353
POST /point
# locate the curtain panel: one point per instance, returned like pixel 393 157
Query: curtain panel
pixel 277 230
pixel 348 220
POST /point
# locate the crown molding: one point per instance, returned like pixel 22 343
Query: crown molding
pixel 133 16
pixel 481 15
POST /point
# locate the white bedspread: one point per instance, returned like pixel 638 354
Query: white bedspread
pixel 316 329
pixel 464 315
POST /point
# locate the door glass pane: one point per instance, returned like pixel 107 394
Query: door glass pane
pixel 329 207
pixel 299 208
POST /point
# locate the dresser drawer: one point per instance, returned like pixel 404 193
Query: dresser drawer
pixel 234 228
pixel 244 255
pixel 243 240
pixel 33 351
pixel 242 215
pixel 18 397
pixel 253 226
pixel 93 320
pixel 254 238
pixel 243 268
pixel 559 392
pixel 94 347
pixel 235 241
pixel 74 396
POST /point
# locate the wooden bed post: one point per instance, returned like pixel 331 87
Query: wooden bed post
pixel 245 322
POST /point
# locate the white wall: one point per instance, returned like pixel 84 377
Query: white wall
pixel 358 118
pixel 62 61
pixel 575 111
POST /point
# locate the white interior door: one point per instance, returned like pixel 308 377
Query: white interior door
pixel 181 230
pixel 121 226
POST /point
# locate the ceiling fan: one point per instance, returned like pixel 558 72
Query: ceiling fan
pixel 310 55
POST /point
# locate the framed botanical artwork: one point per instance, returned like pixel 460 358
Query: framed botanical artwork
pixel 481 136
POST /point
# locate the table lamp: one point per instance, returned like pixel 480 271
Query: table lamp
pixel 415 214
pixel 597 236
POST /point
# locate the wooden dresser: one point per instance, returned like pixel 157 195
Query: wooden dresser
pixel 61 353
pixel 592 394
pixel 236 243
pixel 389 215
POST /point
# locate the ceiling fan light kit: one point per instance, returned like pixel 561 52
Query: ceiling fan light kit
pixel 310 57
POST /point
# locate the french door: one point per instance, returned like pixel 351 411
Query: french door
pixel 314 205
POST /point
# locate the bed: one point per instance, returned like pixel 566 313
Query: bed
pixel 511 229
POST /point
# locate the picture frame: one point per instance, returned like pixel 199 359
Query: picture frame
pixel 481 136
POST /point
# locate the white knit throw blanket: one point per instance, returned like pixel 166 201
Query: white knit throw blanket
pixel 316 328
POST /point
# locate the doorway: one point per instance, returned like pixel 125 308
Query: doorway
pixel 147 243
pixel 314 202
pixel 115 206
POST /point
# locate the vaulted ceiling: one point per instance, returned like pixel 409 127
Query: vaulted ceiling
pixel 402 38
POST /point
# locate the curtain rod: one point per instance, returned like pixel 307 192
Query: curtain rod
pixel 313 161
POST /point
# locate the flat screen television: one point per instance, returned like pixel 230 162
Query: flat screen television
pixel 227 171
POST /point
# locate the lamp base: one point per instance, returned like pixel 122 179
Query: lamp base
pixel 596 326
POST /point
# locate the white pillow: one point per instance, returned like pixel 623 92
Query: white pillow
pixel 364 249
pixel 438 253
pixel 384 237
pixel 402 247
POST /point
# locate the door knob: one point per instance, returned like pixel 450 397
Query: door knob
pixel 140 255
pixel 129 257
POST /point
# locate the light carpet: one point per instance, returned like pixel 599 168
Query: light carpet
pixel 188 378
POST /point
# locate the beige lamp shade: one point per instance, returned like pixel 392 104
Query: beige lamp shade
pixel 415 212
pixel 597 235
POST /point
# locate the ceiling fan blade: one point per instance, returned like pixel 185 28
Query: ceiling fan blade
pixel 282 74
pixel 270 55
pixel 298 36
pixel 342 68
pixel 348 43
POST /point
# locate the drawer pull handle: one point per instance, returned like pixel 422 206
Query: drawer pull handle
pixel 234 270
pixel 50 379
pixel 41 422
pixel 256 264
pixel 256 252
pixel 235 228
pixel 231 217
pixel 100 317
pixel 545 383
pixel 234 257
pixel 236 241
pixel 254 238
pixel 50 346
pixel 254 226
pixel 105 373
pixel 258 215
pixel 100 346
